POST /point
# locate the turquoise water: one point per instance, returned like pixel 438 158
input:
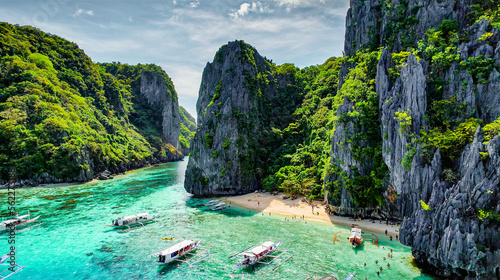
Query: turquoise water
pixel 74 243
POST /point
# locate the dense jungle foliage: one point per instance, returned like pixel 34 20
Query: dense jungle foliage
pixel 62 114
pixel 188 129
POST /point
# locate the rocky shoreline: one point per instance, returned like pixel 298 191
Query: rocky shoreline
pixel 107 174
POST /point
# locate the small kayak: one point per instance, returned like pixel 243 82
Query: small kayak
pixel 168 238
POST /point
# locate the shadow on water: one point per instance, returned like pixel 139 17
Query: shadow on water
pixel 360 248
pixel 166 268
pixel 231 211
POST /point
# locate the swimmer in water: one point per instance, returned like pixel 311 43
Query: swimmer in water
pixel 376 261
pixel 388 265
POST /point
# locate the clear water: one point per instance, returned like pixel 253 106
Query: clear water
pixel 74 243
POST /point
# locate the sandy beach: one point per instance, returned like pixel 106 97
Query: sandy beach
pixel 265 202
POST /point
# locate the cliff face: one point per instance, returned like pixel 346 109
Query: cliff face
pixel 422 100
pixel 397 24
pixel 156 91
pixel 450 236
pixel 234 110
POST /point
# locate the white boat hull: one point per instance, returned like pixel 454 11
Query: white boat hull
pixel 257 259
pixel 4 227
pixel 165 259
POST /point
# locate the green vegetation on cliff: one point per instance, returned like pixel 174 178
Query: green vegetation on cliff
pixel 64 115
pixel 299 164
pixel 188 129
pixel 302 162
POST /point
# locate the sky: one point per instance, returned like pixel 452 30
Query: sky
pixel 181 36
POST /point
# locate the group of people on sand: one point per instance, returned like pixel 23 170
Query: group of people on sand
pixel 390 236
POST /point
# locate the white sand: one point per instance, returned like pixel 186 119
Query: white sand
pixel 290 208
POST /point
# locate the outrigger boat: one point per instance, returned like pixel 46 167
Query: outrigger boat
pixel 257 253
pixel 18 222
pixel 136 221
pixel 182 249
pixel 220 206
pixel 356 239
pixel 11 270
pixel 212 202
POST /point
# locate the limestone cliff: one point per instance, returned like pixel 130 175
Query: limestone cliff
pixel 156 91
pixel 237 108
pixel 419 97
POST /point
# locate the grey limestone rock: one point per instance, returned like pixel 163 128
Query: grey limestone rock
pixel 450 236
pixel 156 92
pixel 361 25
pixel 233 113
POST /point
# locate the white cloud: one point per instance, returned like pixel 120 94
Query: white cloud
pixel 245 8
pixel 182 39
pixel 194 4
pixel 290 4
pixel 83 12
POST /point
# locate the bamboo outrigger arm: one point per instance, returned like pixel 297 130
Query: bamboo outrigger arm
pixel 277 257
pixel 234 255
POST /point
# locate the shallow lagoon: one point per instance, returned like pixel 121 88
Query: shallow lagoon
pixel 74 243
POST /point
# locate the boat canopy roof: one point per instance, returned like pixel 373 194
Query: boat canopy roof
pixel 356 231
pixel 141 215
pixel 176 247
pixel 262 247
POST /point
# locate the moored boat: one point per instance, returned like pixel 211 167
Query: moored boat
pixel 212 202
pixel 256 253
pixel 356 238
pixel 18 222
pixel 252 256
pixel 133 221
pixel 181 249
pixel 219 206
